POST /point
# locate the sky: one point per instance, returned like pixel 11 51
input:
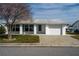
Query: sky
pixel 67 12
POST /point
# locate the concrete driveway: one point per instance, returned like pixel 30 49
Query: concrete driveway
pixel 58 40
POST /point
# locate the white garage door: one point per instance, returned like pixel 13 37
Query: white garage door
pixel 54 30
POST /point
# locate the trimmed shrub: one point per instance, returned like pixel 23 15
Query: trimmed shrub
pixel 2 30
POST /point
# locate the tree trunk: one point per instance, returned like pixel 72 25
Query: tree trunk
pixel 9 32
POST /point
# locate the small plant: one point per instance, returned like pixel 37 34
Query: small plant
pixel 2 30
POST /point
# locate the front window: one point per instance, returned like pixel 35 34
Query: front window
pixel 25 27
pixel 28 27
pixel 31 28
pixel 39 27
pixel 15 28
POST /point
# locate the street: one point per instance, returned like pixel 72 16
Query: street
pixel 39 51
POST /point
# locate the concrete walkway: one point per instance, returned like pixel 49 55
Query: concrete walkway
pixel 46 40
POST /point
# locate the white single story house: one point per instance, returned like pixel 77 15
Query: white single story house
pixel 47 27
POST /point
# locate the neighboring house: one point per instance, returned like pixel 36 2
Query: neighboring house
pixel 69 29
pixel 47 27
pixel 75 26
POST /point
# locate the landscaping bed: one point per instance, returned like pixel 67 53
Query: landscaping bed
pixel 20 39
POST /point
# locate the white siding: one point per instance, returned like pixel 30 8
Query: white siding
pixel 21 29
pixel 35 29
pixel 64 30
pixel 6 29
pixel 49 30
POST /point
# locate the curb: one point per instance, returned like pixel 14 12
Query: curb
pixel 32 45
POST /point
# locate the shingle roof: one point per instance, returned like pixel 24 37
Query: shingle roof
pixel 48 22
pixel 40 21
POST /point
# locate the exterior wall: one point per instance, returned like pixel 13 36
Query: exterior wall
pixel 35 30
pixel 64 30
pixel 49 30
pixel 21 29
pixel 6 30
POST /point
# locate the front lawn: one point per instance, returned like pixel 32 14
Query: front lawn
pixel 75 36
pixel 72 33
pixel 20 39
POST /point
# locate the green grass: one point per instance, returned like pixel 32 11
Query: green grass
pixel 20 39
pixel 75 35
pixel 72 33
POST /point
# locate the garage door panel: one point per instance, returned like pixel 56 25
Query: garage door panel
pixel 54 30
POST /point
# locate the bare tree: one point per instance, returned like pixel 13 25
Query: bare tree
pixel 13 11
